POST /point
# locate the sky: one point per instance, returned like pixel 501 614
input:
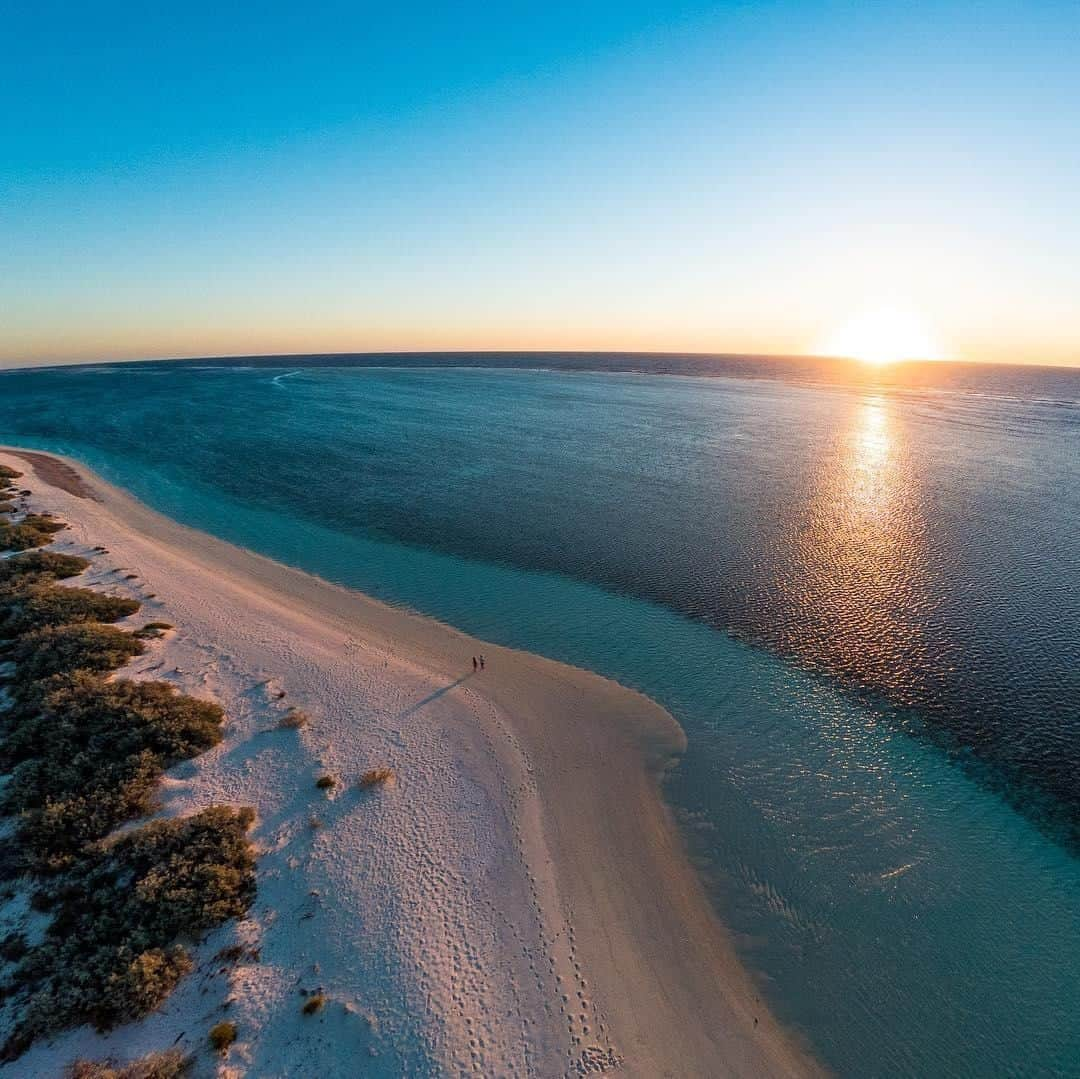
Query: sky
pixel 231 179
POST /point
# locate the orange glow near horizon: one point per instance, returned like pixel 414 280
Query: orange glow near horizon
pixel 882 335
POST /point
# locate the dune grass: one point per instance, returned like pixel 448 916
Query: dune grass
pixel 171 1064
pixel 376 777
pixel 294 719
pixel 313 1004
pixel 222 1035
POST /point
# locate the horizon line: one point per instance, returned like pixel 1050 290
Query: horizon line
pixel 854 363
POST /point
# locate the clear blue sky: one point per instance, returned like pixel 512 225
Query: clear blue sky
pixel 717 177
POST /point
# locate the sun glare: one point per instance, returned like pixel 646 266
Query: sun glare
pixel 883 335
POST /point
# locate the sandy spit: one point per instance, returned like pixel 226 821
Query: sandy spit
pixel 517 902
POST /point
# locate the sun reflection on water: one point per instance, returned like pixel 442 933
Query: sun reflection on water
pixel 859 576
pixel 871 444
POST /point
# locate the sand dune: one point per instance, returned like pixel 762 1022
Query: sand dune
pixel 516 902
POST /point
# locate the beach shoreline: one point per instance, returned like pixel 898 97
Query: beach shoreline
pixel 523 883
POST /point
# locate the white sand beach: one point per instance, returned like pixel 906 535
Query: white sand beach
pixel 517 901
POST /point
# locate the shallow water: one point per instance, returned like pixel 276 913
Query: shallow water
pixel 805 576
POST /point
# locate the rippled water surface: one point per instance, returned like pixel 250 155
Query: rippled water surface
pixel 863 604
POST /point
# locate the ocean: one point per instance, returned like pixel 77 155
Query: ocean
pixel 859 592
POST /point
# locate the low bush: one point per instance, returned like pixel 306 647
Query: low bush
pixel 32 531
pixel 222 1036
pixel 325 783
pixel 91 756
pixel 84 754
pixel 313 1004
pixel 44 604
pixel 35 565
pixel 49 838
pixel 111 953
pixel 172 1064
pixel 56 650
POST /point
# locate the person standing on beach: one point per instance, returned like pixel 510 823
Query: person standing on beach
pixel 474 664
pixel 481 661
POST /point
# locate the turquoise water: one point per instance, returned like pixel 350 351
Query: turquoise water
pixel 904 888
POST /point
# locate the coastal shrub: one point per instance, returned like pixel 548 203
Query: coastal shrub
pixel 50 837
pixel 45 604
pixel 84 714
pixel 172 1064
pixel 313 1004
pixel 325 783
pixel 222 1035
pixel 90 759
pixel 152 631
pixel 35 565
pixel 111 953
pixel 7 475
pixel 45 653
pixel 33 530
pixel 137 988
pixel 376 777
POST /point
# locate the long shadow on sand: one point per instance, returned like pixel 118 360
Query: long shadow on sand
pixel 414 708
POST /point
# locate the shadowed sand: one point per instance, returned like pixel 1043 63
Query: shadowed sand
pixel 517 903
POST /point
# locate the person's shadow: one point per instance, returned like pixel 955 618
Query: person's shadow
pixel 414 708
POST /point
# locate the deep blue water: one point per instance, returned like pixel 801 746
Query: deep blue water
pixel 861 601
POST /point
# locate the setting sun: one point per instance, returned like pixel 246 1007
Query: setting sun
pixel 882 335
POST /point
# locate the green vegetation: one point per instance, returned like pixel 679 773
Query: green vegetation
pixel 32 566
pixel 91 758
pixel 43 604
pixel 152 631
pixel 172 1064
pixel 82 755
pixel 33 530
pixel 43 654
pixel 222 1036
pixel 111 953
